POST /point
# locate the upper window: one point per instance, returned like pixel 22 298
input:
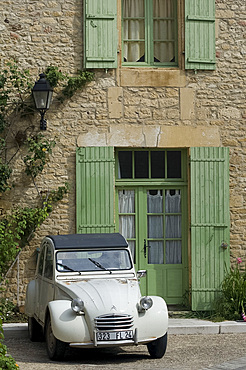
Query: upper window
pixel 149 32
pixel 149 35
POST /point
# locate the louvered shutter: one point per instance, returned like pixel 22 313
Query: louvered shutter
pixel 95 190
pixel 200 34
pixel 101 34
pixel 210 223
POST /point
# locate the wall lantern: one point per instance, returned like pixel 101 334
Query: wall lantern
pixel 42 94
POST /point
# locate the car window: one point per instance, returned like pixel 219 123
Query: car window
pixel 93 260
pixel 41 261
pixel 48 268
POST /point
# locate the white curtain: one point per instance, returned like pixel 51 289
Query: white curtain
pixel 134 29
pixel 155 227
pixel 173 227
pixel 173 253
pixel 127 222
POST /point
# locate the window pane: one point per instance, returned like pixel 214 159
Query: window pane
pixel 174 164
pixel 48 269
pixel 133 8
pixel 163 8
pixel 164 52
pixel 158 165
pixel 126 201
pixel 134 51
pixel 163 31
pixel 125 165
pixel 141 165
pixel 41 262
pixel 127 226
pixel 134 30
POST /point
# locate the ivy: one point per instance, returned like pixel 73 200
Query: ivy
pixel 20 137
pixel 5 172
pixel 69 84
pixel 39 149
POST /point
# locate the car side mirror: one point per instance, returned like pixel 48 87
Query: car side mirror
pixel 141 273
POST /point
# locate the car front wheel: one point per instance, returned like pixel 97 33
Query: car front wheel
pixel 55 348
pixel 158 347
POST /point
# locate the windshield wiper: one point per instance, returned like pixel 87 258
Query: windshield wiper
pixel 67 267
pixel 99 265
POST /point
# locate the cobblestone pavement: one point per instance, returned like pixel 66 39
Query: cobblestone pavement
pixel 184 352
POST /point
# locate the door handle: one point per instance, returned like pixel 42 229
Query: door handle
pixel 145 248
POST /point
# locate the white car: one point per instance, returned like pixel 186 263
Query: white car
pixel 86 294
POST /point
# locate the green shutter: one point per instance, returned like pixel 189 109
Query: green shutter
pixel 200 34
pixel 210 223
pixel 95 190
pixel 101 35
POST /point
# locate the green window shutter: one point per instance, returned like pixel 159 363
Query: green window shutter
pixel 200 34
pixel 101 35
pixel 95 190
pixel 210 223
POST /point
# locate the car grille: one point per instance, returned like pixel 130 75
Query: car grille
pixel 114 322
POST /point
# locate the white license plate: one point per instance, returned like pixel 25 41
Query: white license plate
pixel 114 335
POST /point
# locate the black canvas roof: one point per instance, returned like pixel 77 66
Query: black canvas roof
pixel 114 240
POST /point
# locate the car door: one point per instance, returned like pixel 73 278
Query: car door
pixel 45 280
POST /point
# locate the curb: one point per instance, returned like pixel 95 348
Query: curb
pixel 176 327
pixel 195 326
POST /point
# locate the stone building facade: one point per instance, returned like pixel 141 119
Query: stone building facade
pixel 133 108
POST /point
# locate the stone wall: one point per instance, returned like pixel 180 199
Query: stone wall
pixel 187 108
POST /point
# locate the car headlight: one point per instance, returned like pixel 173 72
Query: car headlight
pixel 145 304
pixel 77 306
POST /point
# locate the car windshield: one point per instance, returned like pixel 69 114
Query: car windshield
pixel 93 260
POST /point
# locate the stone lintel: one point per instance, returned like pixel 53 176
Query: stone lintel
pixel 150 136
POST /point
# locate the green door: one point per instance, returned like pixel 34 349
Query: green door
pixel 152 220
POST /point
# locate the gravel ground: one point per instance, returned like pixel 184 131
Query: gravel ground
pixel 186 352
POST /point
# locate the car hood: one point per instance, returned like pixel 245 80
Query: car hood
pixel 105 296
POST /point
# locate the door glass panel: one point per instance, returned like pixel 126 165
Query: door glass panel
pixel 127 226
pixel 173 252
pixel 174 164
pixel 173 229
pixel 173 226
pixel 155 252
pixel 155 201
pixel 141 164
pixel 155 226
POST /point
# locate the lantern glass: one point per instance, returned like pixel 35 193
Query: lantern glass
pixel 42 99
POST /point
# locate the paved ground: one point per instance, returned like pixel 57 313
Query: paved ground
pixel 184 352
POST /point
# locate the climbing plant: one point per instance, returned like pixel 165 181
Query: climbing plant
pixel 20 142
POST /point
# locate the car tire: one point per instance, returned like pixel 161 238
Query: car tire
pixel 157 348
pixel 55 347
pixel 34 330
